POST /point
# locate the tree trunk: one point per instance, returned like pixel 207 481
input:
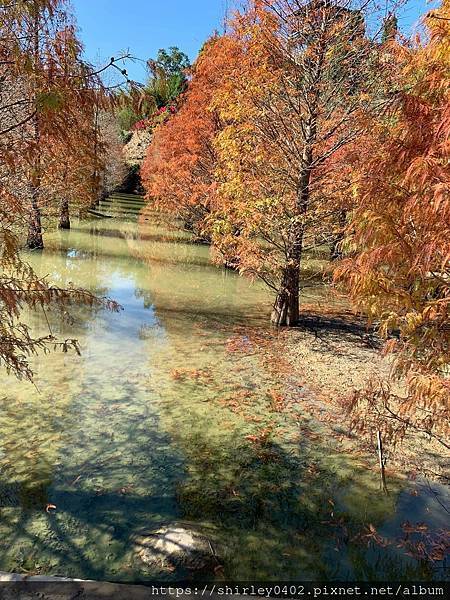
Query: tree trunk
pixel 286 306
pixel 286 309
pixel 336 252
pixel 336 249
pixel 34 239
pixel 64 216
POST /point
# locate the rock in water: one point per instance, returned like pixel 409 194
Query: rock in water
pixel 176 546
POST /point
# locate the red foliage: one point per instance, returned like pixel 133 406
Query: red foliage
pixel 399 271
pixel 178 172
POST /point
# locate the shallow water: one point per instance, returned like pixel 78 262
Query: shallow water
pixel 168 416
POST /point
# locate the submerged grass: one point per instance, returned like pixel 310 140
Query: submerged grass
pixel 173 412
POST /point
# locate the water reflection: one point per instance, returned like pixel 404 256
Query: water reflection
pixel 158 421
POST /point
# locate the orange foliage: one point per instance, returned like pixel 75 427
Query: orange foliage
pixel 399 269
pixel 290 113
pixel 69 152
pixel 179 170
pixel 45 121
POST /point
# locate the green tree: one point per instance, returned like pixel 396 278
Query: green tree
pixel 168 76
pixel 172 62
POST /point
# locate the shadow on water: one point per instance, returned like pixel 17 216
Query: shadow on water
pixel 107 469
pixel 269 513
pixel 159 422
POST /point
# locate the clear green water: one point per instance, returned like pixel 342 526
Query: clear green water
pixel 149 426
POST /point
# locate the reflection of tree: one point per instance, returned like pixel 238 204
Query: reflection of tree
pixel 81 441
pixel 183 284
pixel 66 267
pixel 35 420
pixel 263 499
pixel 158 420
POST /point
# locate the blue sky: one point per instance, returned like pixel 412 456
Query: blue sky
pixel 143 26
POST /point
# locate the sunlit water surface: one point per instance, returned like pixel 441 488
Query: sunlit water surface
pixel 150 426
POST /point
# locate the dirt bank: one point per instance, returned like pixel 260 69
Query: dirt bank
pixel 328 357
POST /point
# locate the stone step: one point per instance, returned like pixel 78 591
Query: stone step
pixel 117 193
pixel 128 198
pixel 118 213
pixel 127 216
pixel 121 206
pixel 134 200
pixel 18 585
pixel 96 213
